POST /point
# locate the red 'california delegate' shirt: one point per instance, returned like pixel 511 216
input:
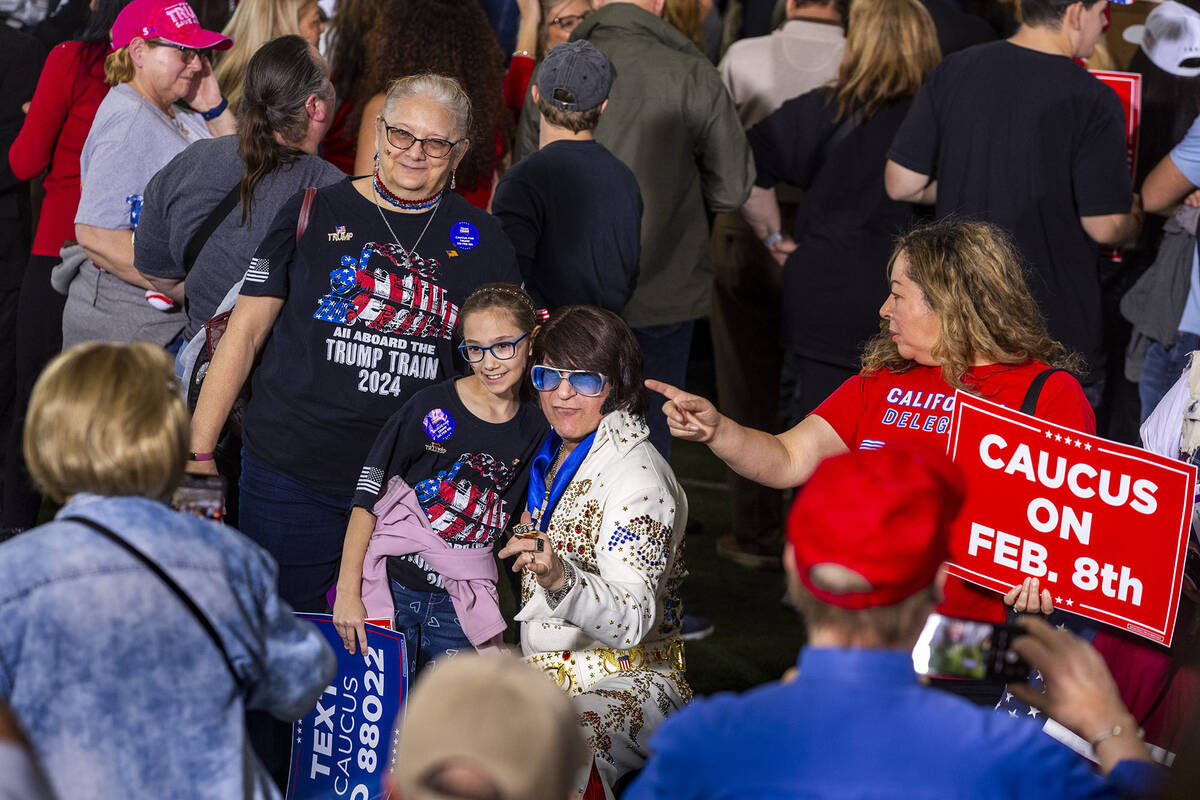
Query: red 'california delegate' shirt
pixel 916 406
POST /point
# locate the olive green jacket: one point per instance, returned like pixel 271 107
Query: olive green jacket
pixel 671 121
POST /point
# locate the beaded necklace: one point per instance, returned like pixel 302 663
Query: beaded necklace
pixel 399 202
pixel 407 256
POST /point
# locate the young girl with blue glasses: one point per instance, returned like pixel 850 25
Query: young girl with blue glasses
pixel 443 480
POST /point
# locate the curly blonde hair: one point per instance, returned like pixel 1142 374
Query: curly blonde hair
pixel 971 276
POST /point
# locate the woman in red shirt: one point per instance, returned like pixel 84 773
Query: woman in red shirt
pixel 959 317
pixel 68 93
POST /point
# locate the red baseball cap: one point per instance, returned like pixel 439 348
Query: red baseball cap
pixel 885 514
pixel 171 21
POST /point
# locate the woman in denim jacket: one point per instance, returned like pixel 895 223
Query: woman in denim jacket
pixel 123 691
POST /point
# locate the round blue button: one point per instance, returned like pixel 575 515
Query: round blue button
pixel 438 425
pixel 464 235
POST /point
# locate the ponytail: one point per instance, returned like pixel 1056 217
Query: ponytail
pixel 280 78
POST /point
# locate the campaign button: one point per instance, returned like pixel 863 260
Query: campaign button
pixel 438 425
pixel 464 235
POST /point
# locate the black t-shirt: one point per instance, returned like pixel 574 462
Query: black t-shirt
pixel 359 332
pixel 470 476
pixel 835 281
pixel 956 29
pixel 1031 142
pixel 574 214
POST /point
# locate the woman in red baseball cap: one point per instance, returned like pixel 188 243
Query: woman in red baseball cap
pixel 163 97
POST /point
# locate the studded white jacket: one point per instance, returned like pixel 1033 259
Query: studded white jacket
pixel 620 523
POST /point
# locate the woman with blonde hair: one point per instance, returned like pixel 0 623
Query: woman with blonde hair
pixel 832 143
pixel 178 616
pixel 959 317
pixel 253 24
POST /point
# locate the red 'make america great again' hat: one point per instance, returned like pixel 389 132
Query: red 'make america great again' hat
pixel 885 514
pixel 171 21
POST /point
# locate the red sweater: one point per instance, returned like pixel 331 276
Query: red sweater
pixel 516 83
pixel 60 116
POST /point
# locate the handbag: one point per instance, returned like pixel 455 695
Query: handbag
pixel 215 327
pixel 183 596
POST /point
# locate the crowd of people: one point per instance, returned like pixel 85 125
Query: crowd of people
pixel 424 310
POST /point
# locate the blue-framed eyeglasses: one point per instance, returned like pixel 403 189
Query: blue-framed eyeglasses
pixel 584 381
pixel 474 353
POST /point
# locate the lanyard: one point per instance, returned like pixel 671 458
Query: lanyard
pixel 539 502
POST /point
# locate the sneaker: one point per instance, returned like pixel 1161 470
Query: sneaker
pixel 695 628
pixel 730 549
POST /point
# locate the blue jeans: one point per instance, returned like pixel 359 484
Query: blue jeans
pixel 430 627
pixel 301 528
pixel 665 350
pixel 1163 367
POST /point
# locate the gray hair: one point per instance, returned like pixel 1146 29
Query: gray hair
pixel 441 89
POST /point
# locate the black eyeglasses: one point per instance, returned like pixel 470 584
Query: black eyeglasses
pixel 567 22
pixel 584 381
pixel 188 54
pixel 502 350
pixel 432 147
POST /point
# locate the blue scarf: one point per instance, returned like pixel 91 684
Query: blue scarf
pixel 566 471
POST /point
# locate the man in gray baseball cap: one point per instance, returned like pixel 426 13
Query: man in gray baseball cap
pixel 572 210
pixel 574 76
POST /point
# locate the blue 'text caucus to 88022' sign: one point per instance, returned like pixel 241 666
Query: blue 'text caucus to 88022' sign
pixel 341 748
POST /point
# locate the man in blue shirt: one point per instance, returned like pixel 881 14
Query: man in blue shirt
pixel 867 538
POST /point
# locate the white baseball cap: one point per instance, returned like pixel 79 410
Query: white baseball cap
pixel 1170 38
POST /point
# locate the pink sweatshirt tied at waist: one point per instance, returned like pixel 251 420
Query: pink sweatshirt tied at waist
pixel 469 574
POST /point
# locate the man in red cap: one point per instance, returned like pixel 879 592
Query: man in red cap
pixel 866 540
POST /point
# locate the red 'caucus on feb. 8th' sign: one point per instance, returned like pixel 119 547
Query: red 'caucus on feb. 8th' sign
pixel 1102 525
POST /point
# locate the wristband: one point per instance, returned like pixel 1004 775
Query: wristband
pixel 200 456
pixel 1115 730
pixel 772 239
pixel 525 53
pixel 216 110
pixel 553 599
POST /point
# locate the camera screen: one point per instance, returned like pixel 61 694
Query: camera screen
pixel 954 648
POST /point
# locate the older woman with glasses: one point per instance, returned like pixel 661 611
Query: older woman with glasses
pixel 374 41
pixel 163 98
pixel 601 542
pixel 352 300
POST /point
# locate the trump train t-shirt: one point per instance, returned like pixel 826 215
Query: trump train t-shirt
pixel 363 326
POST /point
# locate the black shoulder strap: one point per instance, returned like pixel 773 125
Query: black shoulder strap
pixel 168 580
pixel 202 234
pixel 1029 404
